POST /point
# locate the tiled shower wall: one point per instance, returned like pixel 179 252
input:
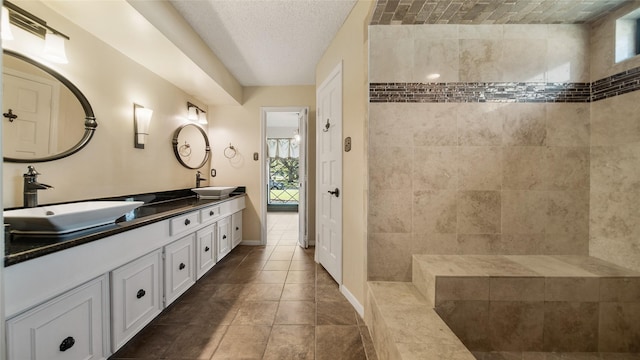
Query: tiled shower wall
pixel 615 156
pixel 473 177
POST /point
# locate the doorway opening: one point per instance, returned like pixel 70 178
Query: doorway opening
pixel 284 176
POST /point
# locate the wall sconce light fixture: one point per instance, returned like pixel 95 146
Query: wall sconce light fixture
pixel 53 39
pixel 141 121
pixel 196 114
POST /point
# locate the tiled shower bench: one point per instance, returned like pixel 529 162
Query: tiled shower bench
pixel 520 307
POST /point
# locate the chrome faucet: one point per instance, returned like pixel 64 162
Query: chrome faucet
pixel 31 187
pixel 199 179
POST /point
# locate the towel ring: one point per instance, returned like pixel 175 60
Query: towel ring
pixel 185 150
pixel 230 152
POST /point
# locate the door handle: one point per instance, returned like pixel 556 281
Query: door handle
pixel 335 192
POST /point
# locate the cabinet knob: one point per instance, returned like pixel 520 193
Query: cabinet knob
pixel 67 343
pixel 237 228
pixel 141 293
pixel 187 222
pixel 206 249
pixel 182 266
pixel 224 237
pixel 211 213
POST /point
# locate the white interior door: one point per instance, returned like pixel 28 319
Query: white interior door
pixel 30 101
pixel 303 238
pixel 329 174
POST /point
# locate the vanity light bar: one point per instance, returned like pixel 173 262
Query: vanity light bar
pixel 29 22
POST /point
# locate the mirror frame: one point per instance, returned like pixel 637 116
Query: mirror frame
pixel 90 123
pixel 207 148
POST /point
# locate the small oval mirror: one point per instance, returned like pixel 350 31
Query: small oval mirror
pixel 191 146
pixel 42 112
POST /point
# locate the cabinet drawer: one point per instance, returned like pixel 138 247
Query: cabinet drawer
pixel 237 204
pixel 205 249
pixel 184 223
pixel 71 326
pixel 179 268
pixel 135 296
pixel 210 214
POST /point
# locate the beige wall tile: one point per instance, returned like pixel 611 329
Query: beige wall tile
pixel 613 120
pixel 392 168
pixel 435 167
pixel 479 212
pixel 572 289
pixel 566 244
pixel 516 325
pixel 524 124
pixel 480 124
pixel 567 168
pixel 391 124
pixel 568 124
pixel 524 168
pixel 613 317
pixel 433 243
pixel 390 211
pixel 389 257
pixel 391 59
pixel 434 124
pixel 621 289
pixel 568 53
pixel 480 32
pixel 435 211
pixel 524 60
pixel 436 56
pixel 571 326
pixel 480 60
pixel 517 288
pixel 614 215
pixel 518 244
pixel 524 212
pixel 468 320
pixel 568 212
pixel 480 168
pixel 523 32
pixel 462 288
pixel 615 168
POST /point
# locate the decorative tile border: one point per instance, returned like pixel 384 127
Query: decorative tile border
pixel 520 92
pixel 479 92
pixel 618 84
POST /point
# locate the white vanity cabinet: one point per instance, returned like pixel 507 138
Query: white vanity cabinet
pixel 136 290
pixel 205 249
pixel 236 229
pixel 71 326
pixel 179 267
pixel 224 237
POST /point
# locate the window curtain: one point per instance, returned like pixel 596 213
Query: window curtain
pixel 283 148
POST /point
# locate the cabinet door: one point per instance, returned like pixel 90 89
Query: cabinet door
pixel 224 237
pixel 206 251
pixel 179 267
pixel 236 228
pixel 72 326
pixel 135 296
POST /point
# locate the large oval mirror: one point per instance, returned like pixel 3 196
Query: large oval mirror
pixel 45 116
pixel 191 146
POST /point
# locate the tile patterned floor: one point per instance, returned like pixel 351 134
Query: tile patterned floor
pixel 266 302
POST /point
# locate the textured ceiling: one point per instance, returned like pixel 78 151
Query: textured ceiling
pixel 267 42
pixel 392 12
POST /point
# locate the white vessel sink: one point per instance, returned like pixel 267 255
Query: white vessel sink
pixel 214 192
pixel 64 218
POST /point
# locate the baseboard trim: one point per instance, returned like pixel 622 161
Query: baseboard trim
pixel 352 299
pixel 251 242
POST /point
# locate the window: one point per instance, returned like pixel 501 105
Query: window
pixel 627 37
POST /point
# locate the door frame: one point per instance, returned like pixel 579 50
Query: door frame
pixel 303 168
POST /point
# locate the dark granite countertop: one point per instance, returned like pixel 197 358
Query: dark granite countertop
pixel 157 207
